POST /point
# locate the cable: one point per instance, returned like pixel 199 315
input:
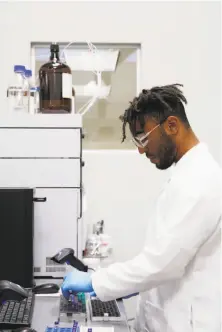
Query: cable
pixel 90 268
pixel 86 104
pixel 90 104
pixel 92 48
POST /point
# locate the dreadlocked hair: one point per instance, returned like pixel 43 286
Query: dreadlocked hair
pixel 159 103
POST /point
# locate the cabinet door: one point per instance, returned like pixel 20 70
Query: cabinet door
pixel 40 143
pixel 55 227
pixel 40 172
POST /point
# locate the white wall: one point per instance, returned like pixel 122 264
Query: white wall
pixel 120 190
pixel 180 43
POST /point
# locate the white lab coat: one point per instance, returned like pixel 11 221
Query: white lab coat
pixel 178 271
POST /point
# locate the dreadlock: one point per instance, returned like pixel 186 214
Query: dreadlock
pixel 159 103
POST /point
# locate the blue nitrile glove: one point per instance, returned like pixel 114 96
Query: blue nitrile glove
pixel 92 294
pixel 77 282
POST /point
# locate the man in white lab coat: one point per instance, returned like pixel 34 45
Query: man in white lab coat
pixel 177 273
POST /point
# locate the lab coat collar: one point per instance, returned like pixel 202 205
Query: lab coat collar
pixel 188 156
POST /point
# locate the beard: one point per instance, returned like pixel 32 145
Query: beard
pixel 167 152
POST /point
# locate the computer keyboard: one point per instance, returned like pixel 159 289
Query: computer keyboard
pixel 104 311
pixel 17 314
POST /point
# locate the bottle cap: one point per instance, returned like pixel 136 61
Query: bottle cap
pixel 19 69
pixel 28 73
pixel 54 47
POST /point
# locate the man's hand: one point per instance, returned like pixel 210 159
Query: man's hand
pixel 76 281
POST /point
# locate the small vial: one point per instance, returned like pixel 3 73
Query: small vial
pixel 56 326
pixel 15 91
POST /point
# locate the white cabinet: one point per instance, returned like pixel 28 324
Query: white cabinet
pixel 44 152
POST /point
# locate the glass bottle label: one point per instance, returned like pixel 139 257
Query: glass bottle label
pixel 66 85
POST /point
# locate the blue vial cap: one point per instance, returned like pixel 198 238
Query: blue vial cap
pixel 28 73
pixel 19 69
pixel 33 89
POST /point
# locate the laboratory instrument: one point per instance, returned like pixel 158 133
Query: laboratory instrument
pixel 77 328
pixel 46 152
pixel 15 314
pixel 73 308
pixel 80 306
pixel 104 311
pixel 56 91
pixel 49 288
pixel 66 255
pixel 57 328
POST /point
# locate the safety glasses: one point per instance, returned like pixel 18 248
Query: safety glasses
pixel 141 141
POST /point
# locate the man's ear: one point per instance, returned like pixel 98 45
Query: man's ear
pixel 172 125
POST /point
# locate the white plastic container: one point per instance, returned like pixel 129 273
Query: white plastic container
pixel 106 248
pixel 99 248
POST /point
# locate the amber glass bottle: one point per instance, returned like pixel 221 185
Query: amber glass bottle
pixel 55 78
